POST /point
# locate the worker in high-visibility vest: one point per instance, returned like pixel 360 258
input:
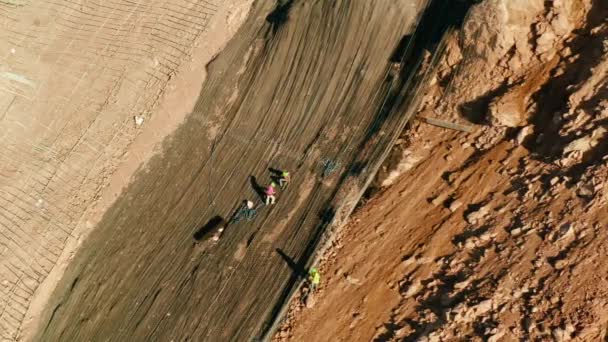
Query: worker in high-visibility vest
pixel 314 278
pixel 284 179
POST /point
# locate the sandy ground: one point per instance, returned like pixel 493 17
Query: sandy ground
pixel 495 235
pixel 299 94
pixel 73 75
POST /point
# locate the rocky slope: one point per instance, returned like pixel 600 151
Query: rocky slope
pixel 499 234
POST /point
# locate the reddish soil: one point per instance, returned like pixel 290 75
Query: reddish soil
pixel 496 235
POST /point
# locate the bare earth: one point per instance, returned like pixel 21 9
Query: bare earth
pixel 124 131
pixel 72 77
pixel 299 94
pixel 496 235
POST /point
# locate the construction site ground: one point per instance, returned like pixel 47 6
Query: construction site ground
pixel 298 88
pixel 128 127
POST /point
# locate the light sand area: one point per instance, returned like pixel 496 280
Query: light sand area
pixel 73 75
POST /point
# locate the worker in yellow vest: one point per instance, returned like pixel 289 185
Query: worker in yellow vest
pixel 314 278
pixel 284 179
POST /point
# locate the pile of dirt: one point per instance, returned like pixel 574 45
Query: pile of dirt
pixel 493 235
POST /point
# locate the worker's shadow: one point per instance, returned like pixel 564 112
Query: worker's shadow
pixel 210 227
pixel 257 187
pixel 275 174
pixel 297 268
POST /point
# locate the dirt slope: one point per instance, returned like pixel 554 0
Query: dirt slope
pixel 496 235
pixel 301 87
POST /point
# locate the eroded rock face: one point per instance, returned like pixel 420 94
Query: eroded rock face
pixel 509 48
pixel 507 111
pixel 497 26
pixel 587 142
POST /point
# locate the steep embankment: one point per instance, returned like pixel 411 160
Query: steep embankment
pixel 499 234
pixel 308 87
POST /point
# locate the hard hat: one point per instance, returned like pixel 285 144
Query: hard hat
pixel 313 270
pixel 273 184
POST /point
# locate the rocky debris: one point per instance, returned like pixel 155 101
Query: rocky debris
pixel 412 290
pixel 561 264
pixel 545 42
pixel 496 336
pixel 471 243
pixel 487 236
pixel 465 313
pixel 408 160
pixel 489 137
pixel 476 215
pixel 404 331
pixel 516 231
pixel 526 261
pixel 507 111
pixel 454 205
pixel 563 334
pixel 586 143
pixel 283 335
pixel 585 190
pixel 523 133
pixel 439 199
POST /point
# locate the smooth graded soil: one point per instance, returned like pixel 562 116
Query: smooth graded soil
pixel 72 77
